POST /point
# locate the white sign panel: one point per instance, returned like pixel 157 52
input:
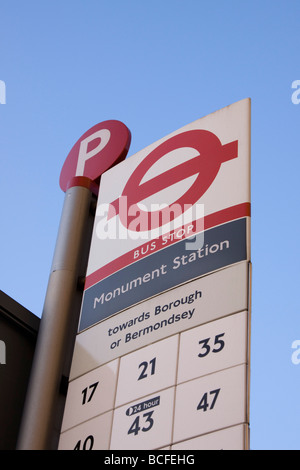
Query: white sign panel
pixel 90 435
pixel 194 181
pixel 145 423
pixel 161 358
pixel 91 395
pixel 209 403
pixel 192 304
pixel 233 438
pixel 212 153
pixel 213 346
pixel 147 370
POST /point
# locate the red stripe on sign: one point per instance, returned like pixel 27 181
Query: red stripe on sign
pixel 210 221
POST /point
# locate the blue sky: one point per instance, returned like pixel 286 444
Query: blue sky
pixel 157 66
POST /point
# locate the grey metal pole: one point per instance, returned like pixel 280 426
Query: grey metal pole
pixel 44 404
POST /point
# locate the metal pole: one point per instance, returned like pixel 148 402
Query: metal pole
pixel 44 404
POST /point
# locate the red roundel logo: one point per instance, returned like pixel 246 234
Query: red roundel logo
pixel 206 166
pixel 100 148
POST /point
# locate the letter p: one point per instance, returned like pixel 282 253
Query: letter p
pixel 88 149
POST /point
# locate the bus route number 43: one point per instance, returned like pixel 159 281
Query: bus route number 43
pixel 147 424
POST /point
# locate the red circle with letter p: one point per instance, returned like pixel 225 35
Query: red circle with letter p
pixel 97 150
